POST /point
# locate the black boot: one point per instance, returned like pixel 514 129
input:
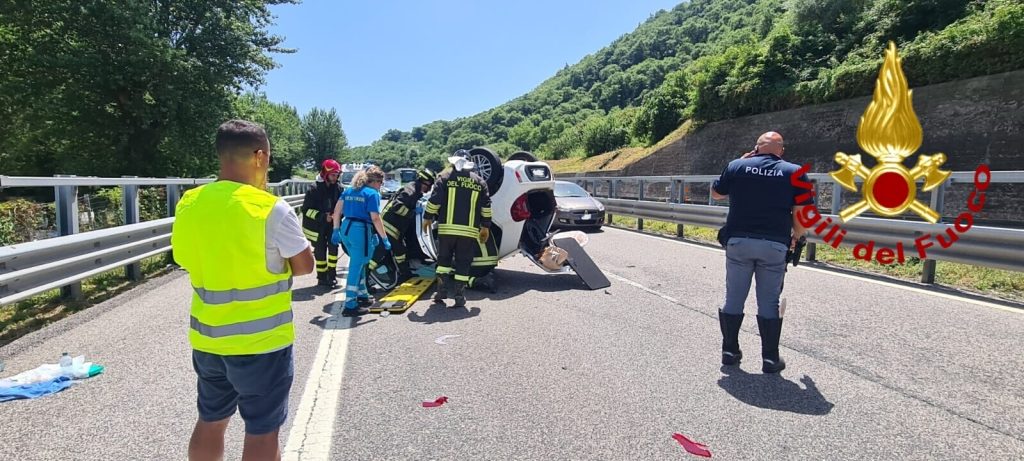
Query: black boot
pixel 460 294
pixel 771 330
pixel 730 323
pixel 442 288
pixel 403 272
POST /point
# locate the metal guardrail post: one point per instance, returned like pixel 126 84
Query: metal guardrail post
pixel 640 196
pixel 812 248
pixel 173 196
pixel 676 196
pixel 67 224
pixel 938 203
pixel 611 194
pixel 130 200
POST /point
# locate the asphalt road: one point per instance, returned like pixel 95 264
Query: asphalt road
pixel 546 369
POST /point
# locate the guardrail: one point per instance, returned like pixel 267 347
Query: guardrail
pixel 997 247
pixel 32 268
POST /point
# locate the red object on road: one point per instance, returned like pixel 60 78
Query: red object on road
pixel 696 448
pixel 436 403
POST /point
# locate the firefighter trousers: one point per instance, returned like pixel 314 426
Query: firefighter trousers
pixel 455 255
pixel 326 256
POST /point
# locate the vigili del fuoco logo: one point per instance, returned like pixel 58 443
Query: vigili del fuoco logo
pixel 890 132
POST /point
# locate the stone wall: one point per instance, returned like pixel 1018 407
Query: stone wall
pixel 973 121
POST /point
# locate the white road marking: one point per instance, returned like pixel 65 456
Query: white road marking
pixel 440 339
pixel 849 276
pixel 310 436
pixel 655 293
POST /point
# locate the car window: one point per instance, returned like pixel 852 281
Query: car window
pixel 568 189
pixel 408 175
pixel 347 176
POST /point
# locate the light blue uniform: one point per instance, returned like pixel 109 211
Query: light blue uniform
pixel 356 231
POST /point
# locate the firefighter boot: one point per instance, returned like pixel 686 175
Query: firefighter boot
pixel 460 294
pixel 443 280
pixel 730 323
pixel 403 271
pixel 771 330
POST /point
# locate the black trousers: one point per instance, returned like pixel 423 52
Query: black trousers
pixel 326 256
pixel 457 248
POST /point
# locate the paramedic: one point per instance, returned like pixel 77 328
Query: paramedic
pixel 360 231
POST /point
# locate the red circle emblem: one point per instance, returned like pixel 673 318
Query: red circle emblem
pixel 891 190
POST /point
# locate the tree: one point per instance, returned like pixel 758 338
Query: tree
pixel 284 127
pixel 324 138
pixel 116 88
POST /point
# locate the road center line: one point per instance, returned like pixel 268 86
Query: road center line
pixel 310 435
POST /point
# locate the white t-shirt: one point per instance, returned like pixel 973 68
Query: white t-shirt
pixel 284 236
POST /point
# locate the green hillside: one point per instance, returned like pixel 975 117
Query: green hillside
pixel 709 60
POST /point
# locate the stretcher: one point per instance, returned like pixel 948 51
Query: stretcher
pixel 403 296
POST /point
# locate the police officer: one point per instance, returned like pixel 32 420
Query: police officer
pixel 760 228
pixel 463 205
pixel 317 207
pixel 398 216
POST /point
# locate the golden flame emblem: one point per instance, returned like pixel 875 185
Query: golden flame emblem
pixel 890 132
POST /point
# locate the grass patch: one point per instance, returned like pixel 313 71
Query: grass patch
pixel 988 281
pixel 23 317
pixel 617 159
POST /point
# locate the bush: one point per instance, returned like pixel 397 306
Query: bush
pixel 22 220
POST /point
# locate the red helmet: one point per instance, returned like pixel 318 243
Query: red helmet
pixel 329 166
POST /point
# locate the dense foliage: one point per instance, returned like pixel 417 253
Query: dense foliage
pixel 135 88
pixel 103 87
pixel 709 60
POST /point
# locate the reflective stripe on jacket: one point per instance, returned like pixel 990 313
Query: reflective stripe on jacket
pixel 238 306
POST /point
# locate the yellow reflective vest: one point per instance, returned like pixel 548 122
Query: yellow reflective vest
pixel 238 306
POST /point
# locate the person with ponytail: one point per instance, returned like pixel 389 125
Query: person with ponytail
pixel 361 231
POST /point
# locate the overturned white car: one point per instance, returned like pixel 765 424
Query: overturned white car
pixel 523 207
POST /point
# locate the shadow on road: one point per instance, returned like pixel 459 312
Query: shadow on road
pixel 309 293
pixel 437 313
pixel 343 323
pixel 510 284
pixel 773 392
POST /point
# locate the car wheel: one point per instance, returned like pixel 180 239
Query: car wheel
pixel 524 156
pixel 488 166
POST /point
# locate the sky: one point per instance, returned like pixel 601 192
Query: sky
pixel 386 64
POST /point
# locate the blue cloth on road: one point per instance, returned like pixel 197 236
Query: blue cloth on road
pixel 34 390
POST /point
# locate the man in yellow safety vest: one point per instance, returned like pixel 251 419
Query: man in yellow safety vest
pixel 241 246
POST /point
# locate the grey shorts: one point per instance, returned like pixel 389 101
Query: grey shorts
pixel 257 385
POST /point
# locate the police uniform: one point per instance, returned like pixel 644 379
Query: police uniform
pixel 758 235
pixel 398 217
pixel 461 204
pixel 317 207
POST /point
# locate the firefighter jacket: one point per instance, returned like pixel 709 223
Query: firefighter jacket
pixel 460 203
pixel 317 208
pixel 400 211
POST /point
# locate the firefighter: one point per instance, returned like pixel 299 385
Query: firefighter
pixel 461 203
pixel 399 215
pixel 316 222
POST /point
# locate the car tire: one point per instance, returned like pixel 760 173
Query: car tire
pixel 524 156
pixel 489 167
